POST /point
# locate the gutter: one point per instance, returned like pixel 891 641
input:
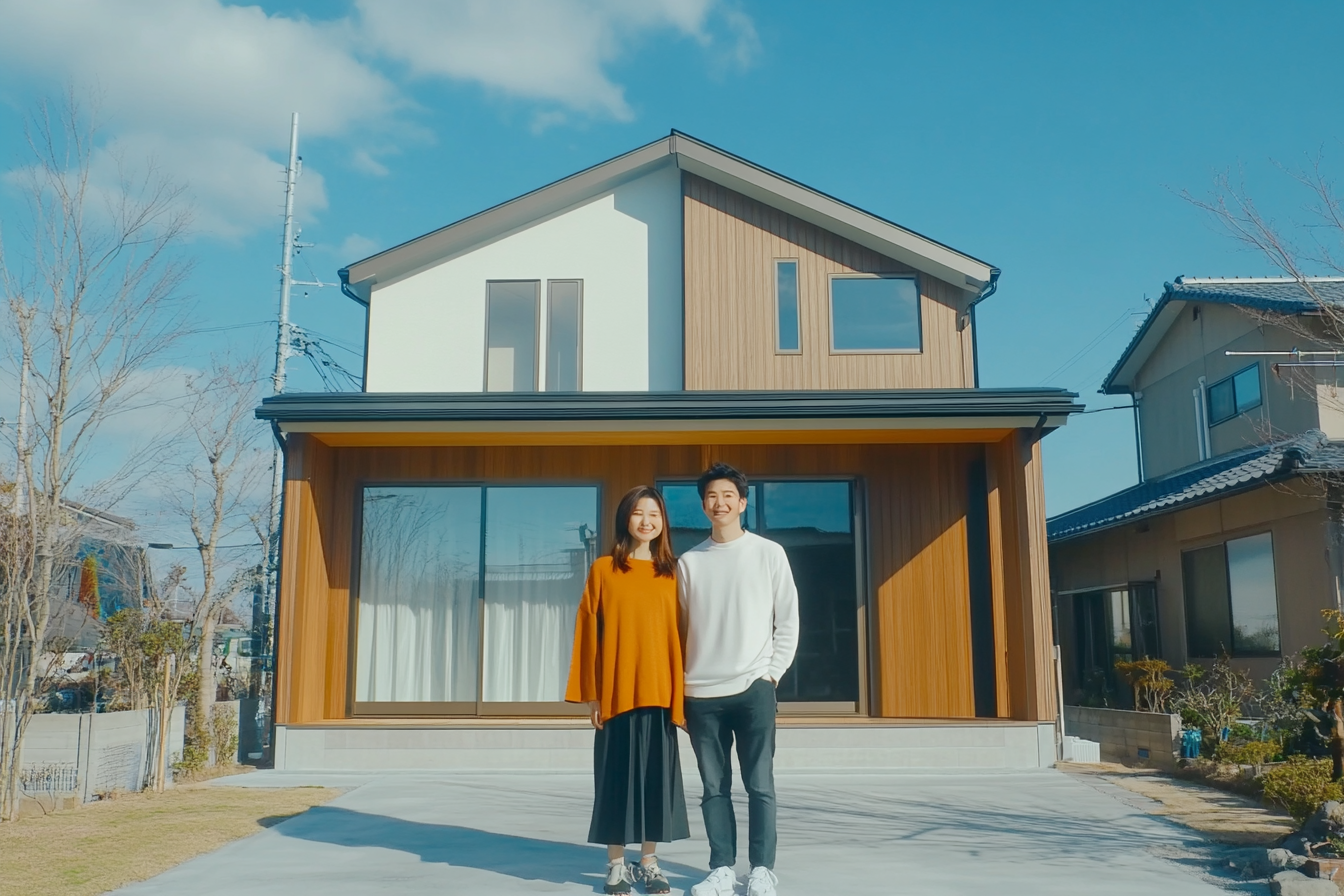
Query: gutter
pixel 344 275
pixel 985 292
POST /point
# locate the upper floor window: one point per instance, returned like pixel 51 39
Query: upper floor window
pixel 786 306
pixel 564 316
pixel 1231 602
pixel 1234 395
pixel 875 313
pixel 513 336
pixel 512 309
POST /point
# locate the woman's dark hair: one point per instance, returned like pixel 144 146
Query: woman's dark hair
pixel 664 561
pixel 721 470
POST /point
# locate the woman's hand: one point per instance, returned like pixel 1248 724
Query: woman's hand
pixel 595 710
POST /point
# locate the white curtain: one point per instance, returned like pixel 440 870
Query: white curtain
pixel 529 634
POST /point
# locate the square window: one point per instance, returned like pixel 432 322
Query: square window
pixel 875 314
pixel 1231 603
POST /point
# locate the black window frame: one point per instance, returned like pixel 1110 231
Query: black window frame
pixel 1237 407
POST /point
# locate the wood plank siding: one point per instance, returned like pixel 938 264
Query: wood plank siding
pixel 731 243
pixel 918 590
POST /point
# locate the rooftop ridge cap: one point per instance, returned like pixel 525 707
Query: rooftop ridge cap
pixel 1187 281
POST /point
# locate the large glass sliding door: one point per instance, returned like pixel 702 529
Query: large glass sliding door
pixel 814 521
pixel 467 596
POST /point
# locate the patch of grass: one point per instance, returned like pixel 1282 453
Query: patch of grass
pixel 108 844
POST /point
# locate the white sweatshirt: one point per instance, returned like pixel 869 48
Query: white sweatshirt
pixel 741 611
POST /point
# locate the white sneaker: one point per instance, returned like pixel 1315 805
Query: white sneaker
pixel 619 878
pixel 721 882
pixel 761 882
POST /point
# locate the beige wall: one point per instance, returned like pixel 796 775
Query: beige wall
pixel 1151 551
pixel 731 245
pixel 1196 347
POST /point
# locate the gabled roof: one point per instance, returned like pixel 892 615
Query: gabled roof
pixel 697 157
pixel 1218 477
pixel 1276 295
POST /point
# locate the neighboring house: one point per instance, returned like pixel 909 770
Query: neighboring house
pixel 631 324
pixel 1227 545
pixel 104 570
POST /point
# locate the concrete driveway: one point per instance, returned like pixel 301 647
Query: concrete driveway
pixel 1006 833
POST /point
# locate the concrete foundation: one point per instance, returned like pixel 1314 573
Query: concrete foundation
pixel 567 747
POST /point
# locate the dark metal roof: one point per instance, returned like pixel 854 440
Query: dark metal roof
pixel 345 407
pixel 1218 477
pixel 1275 295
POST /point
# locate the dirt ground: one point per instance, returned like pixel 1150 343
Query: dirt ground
pixel 1226 817
pixel 105 845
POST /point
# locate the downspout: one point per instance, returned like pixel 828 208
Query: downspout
pixel 985 292
pixel 344 275
pixel 1134 398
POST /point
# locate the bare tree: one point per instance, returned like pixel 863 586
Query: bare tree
pixel 92 306
pixel 221 500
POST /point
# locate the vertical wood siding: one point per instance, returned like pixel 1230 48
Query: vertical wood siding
pixel 731 243
pixel 918 589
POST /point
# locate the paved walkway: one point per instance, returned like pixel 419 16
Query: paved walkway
pixel 1009 834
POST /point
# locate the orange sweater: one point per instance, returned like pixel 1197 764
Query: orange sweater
pixel 627 650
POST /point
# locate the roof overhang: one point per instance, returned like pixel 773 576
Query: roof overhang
pixel 1165 313
pixel 913 415
pixel 906 246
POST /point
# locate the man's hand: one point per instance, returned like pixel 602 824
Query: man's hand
pixel 595 710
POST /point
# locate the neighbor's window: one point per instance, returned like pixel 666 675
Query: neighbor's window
pixel 511 335
pixel 786 306
pixel 874 314
pixel 1234 395
pixel 564 313
pixel 1231 604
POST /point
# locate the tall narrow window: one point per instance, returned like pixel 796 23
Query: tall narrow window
pixel 875 314
pixel 786 306
pixel 564 316
pixel 511 335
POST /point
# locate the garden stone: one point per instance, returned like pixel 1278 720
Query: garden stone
pixel 1295 883
pixel 1284 858
pixel 1326 823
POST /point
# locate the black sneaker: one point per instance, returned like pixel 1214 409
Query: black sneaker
pixel 618 877
pixel 653 878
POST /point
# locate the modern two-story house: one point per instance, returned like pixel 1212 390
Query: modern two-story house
pixel 633 323
pixel 1228 546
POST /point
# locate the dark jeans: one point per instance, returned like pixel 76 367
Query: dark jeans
pixel 713 723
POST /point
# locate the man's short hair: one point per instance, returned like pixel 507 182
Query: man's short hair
pixel 721 470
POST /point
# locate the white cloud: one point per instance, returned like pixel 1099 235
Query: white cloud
pixel 207 88
pixel 555 51
pixel 356 246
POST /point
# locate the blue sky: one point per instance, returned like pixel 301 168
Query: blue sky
pixel 1051 140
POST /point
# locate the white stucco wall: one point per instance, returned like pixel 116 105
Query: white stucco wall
pixel 427 331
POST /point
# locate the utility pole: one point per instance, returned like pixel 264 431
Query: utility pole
pixel 282 341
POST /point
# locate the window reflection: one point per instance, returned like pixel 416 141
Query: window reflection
pixel 539 543
pixel 1255 606
pixel 419 578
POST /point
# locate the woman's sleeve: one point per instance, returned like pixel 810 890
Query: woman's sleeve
pixel 674 649
pixel 582 686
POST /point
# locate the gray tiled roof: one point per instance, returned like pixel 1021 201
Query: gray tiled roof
pixel 1281 295
pixel 1218 477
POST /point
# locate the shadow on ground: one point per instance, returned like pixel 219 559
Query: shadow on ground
pixel 524 858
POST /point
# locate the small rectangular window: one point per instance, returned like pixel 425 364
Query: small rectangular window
pixel 875 314
pixel 1231 603
pixel 564 316
pixel 1234 395
pixel 786 306
pixel 511 335
pixel 1246 384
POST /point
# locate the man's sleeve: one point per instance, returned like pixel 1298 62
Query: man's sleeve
pixel 786 616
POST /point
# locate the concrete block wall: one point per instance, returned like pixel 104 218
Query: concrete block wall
pixel 98 752
pixel 1123 733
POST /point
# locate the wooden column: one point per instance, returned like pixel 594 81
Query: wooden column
pixel 303 603
pixel 1021 579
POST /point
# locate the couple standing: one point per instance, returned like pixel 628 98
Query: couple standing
pixel 729 606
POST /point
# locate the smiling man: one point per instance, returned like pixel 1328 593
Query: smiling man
pixel 740 609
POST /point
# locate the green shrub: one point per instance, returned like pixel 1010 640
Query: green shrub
pixel 224 734
pixel 193 758
pixel 1300 786
pixel 1254 752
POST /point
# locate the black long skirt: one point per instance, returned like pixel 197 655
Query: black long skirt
pixel 638 793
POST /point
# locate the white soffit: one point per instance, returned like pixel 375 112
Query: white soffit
pixel 776 191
